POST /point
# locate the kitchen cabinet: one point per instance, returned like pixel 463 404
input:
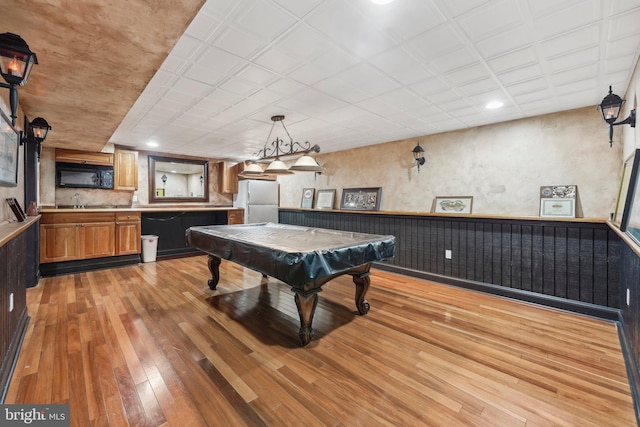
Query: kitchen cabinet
pixel 235 216
pixel 127 233
pixel 83 157
pixel 125 170
pixel 73 236
pixel 228 177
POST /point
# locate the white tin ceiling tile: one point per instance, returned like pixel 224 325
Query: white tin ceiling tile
pixel 404 99
pixel 453 60
pixel 238 86
pixel 541 8
pixel 521 74
pixel 340 89
pixel 491 19
pixel 239 42
pixel 406 19
pixel 575 74
pixel 220 8
pixel 625 24
pixel 625 46
pixel 528 86
pixel 309 74
pixel 429 86
pixel 435 42
pixel 468 74
pixel 513 60
pixel 619 64
pixel 256 75
pixel 285 87
pixel 368 79
pixel 277 61
pixel 575 59
pixel 264 19
pixel 529 97
pixel 577 86
pixel 568 19
pixel 191 87
pixel 335 59
pixel 619 6
pixel 580 39
pixel 203 26
pixel 515 39
pixel 460 7
pixel 478 87
pixel 304 43
pixel 376 106
pixel 300 8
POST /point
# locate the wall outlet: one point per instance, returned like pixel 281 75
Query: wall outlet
pixel 447 253
pixel 628 296
pixel 10 302
pixel 134 198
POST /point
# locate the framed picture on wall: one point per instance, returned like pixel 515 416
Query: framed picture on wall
pixel 326 199
pixel 307 198
pixel 361 199
pixel 453 204
pixel 622 190
pixel 9 144
pixel 631 216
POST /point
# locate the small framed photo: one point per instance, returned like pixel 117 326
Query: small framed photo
pixel 453 204
pixel 361 199
pixel 307 198
pixel 326 199
pixel 558 207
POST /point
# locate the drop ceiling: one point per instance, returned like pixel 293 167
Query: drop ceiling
pixel 345 73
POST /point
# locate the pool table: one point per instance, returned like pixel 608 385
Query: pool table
pixel 304 258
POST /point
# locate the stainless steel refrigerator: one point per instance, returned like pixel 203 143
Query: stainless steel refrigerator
pixel 259 199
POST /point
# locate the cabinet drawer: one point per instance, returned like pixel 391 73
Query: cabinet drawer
pixel 235 217
pixel 127 216
pixel 76 217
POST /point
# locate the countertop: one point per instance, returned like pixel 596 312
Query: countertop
pixel 141 208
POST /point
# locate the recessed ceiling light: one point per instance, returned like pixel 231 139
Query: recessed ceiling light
pixel 152 144
pixel 493 105
pixel 381 1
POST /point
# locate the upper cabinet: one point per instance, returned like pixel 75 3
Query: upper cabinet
pixel 125 170
pixel 84 157
pixel 228 179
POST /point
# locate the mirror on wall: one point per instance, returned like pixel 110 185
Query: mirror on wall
pixel 178 180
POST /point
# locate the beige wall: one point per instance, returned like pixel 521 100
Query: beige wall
pixel 502 166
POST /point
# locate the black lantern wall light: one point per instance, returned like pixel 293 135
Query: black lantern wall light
pixel 16 62
pixel 418 155
pixel 610 110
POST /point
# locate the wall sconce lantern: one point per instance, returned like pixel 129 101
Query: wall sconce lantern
pixel 16 62
pixel 418 155
pixel 610 110
pixel 201 179
pixel 164 179
pixel 35 132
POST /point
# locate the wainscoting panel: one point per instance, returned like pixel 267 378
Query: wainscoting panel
pixel 573 260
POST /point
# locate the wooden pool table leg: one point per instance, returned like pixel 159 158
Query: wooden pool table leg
pixel 362 282
pixel 214 268
pixel 306 303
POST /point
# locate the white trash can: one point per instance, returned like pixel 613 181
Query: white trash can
pixel 149 248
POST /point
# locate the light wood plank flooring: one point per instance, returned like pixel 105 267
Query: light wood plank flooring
pixel 151 345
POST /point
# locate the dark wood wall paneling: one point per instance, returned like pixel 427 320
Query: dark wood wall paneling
pixel 576 261
pixel 12 323
pixel 630 333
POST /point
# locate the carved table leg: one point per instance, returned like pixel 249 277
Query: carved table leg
pixel 362 281
pixel 306 303
pixel 214 268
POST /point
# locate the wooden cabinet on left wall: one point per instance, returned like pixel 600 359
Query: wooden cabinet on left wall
pixel 125 170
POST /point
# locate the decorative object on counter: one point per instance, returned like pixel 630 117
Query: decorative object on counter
pixel 33 209
pixel 326 199
pixel 16 208
pixel 307 198
pixel 9 148
pixel 418 155
pixel 453 204
pixel 280 148
pixel 610 110
pixel 35 132
pixel 560 201
pixel 16 62
pixel 361 199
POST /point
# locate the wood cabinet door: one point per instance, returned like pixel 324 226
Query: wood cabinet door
pixel 98 239
pixel 235 217
pixel 83 157
pixel 59 242
pixel 127 238
pixel 126 170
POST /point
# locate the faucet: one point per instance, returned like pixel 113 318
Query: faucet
pixel 77 204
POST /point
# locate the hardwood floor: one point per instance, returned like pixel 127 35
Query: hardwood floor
pixel 151 345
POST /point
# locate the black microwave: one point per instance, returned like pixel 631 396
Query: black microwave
pixel 72 175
